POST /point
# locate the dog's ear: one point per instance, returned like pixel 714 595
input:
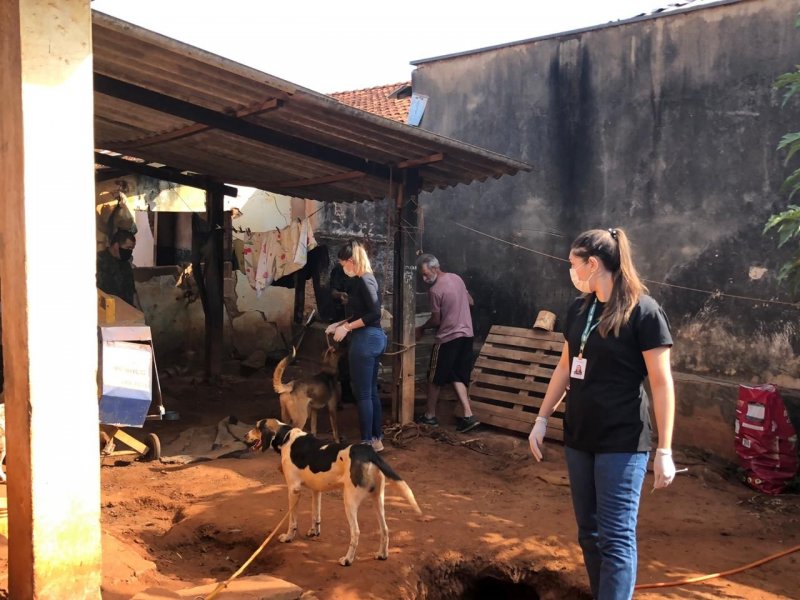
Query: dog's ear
pixel 266 434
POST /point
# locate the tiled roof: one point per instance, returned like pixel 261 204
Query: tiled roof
pixel 382 100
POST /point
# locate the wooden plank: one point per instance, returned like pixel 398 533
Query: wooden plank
pixel 499 421
pixel 528 333
pixel 406 244
pixel 528 418
pixel 526 343
pixel 214 284
pixel 531 357
pixel 526 400
pixel 486 363
pixel 511 382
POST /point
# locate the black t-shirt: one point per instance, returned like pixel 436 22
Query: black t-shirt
pixel 608 410
pixel 364 300
pixel 341 283
pixel 115 276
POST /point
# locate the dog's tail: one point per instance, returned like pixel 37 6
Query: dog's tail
pixel 280 387
pixel 398 481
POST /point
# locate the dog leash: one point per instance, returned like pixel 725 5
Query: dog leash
pixel 225 583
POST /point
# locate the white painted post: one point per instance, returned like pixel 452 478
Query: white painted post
pixel 47 268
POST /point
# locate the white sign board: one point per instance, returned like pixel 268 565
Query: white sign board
pixel 127 370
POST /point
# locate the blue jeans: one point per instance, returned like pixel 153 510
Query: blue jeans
pixel 366 346
pixel 605 495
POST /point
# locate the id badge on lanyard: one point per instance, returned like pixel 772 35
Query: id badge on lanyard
pixel 578 370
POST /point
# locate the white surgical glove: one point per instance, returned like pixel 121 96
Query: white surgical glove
pixel 340 333
pixel 331 328
pixel 536 438
pixel 663 468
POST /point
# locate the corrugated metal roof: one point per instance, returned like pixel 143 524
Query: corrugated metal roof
pixel 171 103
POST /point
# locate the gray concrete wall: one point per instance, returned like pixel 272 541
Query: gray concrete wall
pixel 664 126
pixel 367 222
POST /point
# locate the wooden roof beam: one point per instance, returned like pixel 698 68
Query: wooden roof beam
pixel 419 162
pixel 295 183
pixel 189 130
pixel 235 125
pixel 164 173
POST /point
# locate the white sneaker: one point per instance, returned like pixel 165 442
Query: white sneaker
pixel 377 445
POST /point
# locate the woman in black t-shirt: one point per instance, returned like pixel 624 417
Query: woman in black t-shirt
pixel 616 335
pixel 367 340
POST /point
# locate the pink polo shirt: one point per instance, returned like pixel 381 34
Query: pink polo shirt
pixel 450 300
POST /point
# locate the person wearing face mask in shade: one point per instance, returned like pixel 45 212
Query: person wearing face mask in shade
pixel 616 335
pixel 367 341
pixel 114 268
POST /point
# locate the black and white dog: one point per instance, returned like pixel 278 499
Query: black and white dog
pixel 320 466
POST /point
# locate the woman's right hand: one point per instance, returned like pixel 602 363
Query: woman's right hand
pixel 330 329
pixel 536 438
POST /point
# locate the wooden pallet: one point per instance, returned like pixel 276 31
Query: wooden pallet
pixel 510 378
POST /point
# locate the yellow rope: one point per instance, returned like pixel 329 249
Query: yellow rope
pixel 225 583
pixel 403 349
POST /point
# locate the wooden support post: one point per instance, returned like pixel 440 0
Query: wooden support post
pixel 214 282
pixel 299 296
pixel 49 311
pixel 406 243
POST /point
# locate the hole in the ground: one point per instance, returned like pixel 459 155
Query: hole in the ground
pixel 482 579
pixel 493 587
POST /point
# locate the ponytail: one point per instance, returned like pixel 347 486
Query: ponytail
pixel 611 246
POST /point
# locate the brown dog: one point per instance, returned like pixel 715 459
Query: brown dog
pixel 356 469
pixel 301 396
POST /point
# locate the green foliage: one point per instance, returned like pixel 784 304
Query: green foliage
pixel 787 223
pixel 790 81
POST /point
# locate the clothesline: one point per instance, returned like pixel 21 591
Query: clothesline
pixel 248 231
pixel 270 255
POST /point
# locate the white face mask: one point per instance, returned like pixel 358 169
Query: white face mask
pixel 348 272
pixel 582 286
pixel 430 277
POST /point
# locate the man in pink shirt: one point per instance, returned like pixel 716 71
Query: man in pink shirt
pixel 451 357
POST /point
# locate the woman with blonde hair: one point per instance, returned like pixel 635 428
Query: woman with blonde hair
pixel 367 340
pixel 616 335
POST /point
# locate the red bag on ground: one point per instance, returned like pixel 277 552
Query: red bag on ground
pixel 766 442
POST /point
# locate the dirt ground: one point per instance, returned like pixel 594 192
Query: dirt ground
pixel 495 524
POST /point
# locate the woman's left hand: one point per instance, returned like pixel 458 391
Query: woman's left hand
pixel 340 333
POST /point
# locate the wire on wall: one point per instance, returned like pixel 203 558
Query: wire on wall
pixel 716 293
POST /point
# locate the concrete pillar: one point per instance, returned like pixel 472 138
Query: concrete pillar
pixel 47 265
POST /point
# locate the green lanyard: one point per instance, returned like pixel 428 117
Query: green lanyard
pixel 589 328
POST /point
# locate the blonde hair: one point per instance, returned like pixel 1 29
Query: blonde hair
pixel 612 248
pixel 355 251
